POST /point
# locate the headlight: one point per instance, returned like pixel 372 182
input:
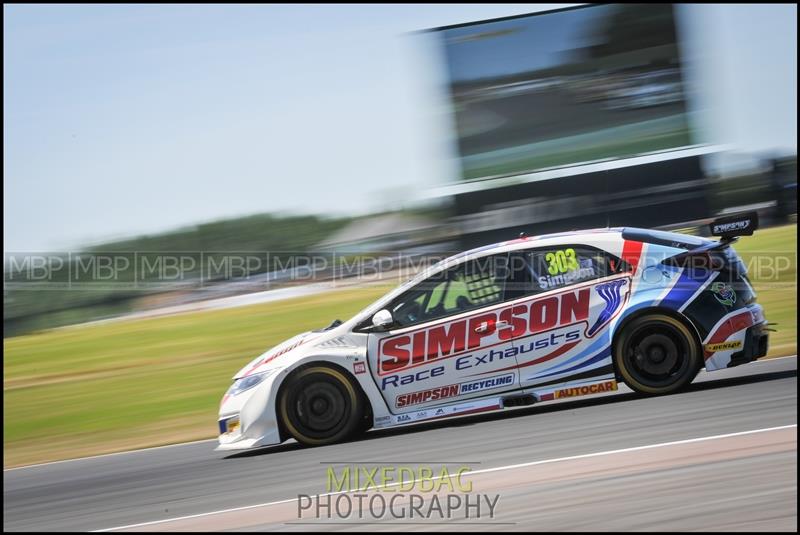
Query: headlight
pixel 246 383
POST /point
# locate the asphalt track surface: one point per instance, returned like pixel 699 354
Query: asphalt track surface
pixel 555 466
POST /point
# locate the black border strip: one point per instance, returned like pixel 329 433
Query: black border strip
pixel 511 17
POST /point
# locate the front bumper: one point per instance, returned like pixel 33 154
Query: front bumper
pixel 248 420
pixel 243 443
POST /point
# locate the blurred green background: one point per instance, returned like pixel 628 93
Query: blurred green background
pixel 101 388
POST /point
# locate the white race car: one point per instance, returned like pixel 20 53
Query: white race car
pixel 523 321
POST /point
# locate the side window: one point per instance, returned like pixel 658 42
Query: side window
pixel 564 265
pixel 521 277
pixel 469 285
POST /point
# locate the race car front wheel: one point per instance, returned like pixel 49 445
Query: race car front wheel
pixel 320 405
pixel 657 354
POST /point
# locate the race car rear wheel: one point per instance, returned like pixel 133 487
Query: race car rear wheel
pixel 320 405
pixel 657 354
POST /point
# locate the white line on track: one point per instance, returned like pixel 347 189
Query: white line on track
pixel 214 439
pixel 483 471
pixel 110 454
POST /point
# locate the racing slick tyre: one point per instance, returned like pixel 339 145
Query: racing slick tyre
pixel 657 354
pixel 320 405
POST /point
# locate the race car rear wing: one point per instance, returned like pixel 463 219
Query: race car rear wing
pixel 728 229
pixel 731 227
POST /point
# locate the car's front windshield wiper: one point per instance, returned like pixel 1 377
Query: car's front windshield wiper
pixel 335 323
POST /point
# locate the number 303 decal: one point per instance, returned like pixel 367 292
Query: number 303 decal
pixel 561 261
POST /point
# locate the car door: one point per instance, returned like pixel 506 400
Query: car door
pixel 570 294
pixel 444 343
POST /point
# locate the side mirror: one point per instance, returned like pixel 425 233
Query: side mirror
pixel 382 319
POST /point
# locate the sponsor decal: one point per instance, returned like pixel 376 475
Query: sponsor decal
pixel 556 339
pixel 737 226
pixel 449 391
pixel 723 346
pixel 424 396
pixel 405 379
pixel 449 339
pixel 274 356
pixel 359 368
pixel 231 425
pixel 382 419
pixel 470 407
pixel 605 386
pixel 554 281
pixel 733 322
pixel 487 384
pixel 610 292
pixel 550 340
pixel 724 293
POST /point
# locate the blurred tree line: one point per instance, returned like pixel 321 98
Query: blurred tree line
pixel 47 302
